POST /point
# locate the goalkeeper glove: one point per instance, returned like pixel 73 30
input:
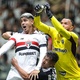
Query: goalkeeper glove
pixel 38 9
pixel 48 11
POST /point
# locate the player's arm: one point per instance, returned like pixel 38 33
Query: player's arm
pixel 37 22
pixel 57 24
pixel 7 35
pixel 6 47
pixel 41 26
pixel 22 72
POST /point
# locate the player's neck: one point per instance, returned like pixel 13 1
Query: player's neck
pixel 29 32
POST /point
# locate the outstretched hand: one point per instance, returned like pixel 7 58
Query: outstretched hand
pixel 38 9
pixel 48 11
pixel 47 7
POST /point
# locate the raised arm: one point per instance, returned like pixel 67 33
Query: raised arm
pixel 37 20
pixel 58 25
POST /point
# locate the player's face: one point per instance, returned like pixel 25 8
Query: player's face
pixel 26 24
pixel 67 24
pixel 46 62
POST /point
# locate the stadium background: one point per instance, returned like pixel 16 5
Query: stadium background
pixel 10 11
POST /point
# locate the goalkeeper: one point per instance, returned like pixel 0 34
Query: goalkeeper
pixel 64 42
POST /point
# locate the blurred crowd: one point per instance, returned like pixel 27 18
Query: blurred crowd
pixel 10 11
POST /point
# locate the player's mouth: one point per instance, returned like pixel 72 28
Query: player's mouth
pixel 24 26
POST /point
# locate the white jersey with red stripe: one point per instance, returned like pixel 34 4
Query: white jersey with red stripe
pixel 27 49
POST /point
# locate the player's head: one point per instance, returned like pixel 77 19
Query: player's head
pixel 27 20
pixel 27 15
pixel 67 24
pixel 50 59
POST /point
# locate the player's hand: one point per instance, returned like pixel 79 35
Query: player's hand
pixel 48 11
pixel 47 6
pixel 38 9
pixel 34 75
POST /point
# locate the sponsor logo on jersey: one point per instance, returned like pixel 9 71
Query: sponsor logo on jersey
pixel 60 50
pixel 63 73
pixel 21 38
pixel 27 53
pixel 62 41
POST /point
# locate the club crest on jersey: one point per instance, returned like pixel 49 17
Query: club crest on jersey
pixel 28 44
pixel 62 41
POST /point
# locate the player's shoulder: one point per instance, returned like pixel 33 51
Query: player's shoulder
pixel 41 35
pixel 16 34
pixel 74 35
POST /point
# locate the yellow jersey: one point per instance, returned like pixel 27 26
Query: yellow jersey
pixel 65 46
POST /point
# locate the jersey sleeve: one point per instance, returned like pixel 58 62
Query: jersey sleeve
pixel 6 47
pixel 43 50
pixel 60 28
pixel 41 26
pixel 75 38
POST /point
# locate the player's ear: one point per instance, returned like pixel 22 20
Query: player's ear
pixel 71 28
pixel 32 21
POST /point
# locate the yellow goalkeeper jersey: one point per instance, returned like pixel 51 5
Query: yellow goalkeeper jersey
pixel 65 46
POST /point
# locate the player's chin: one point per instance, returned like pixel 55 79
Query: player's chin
pixel 24 30
pixel 43 65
